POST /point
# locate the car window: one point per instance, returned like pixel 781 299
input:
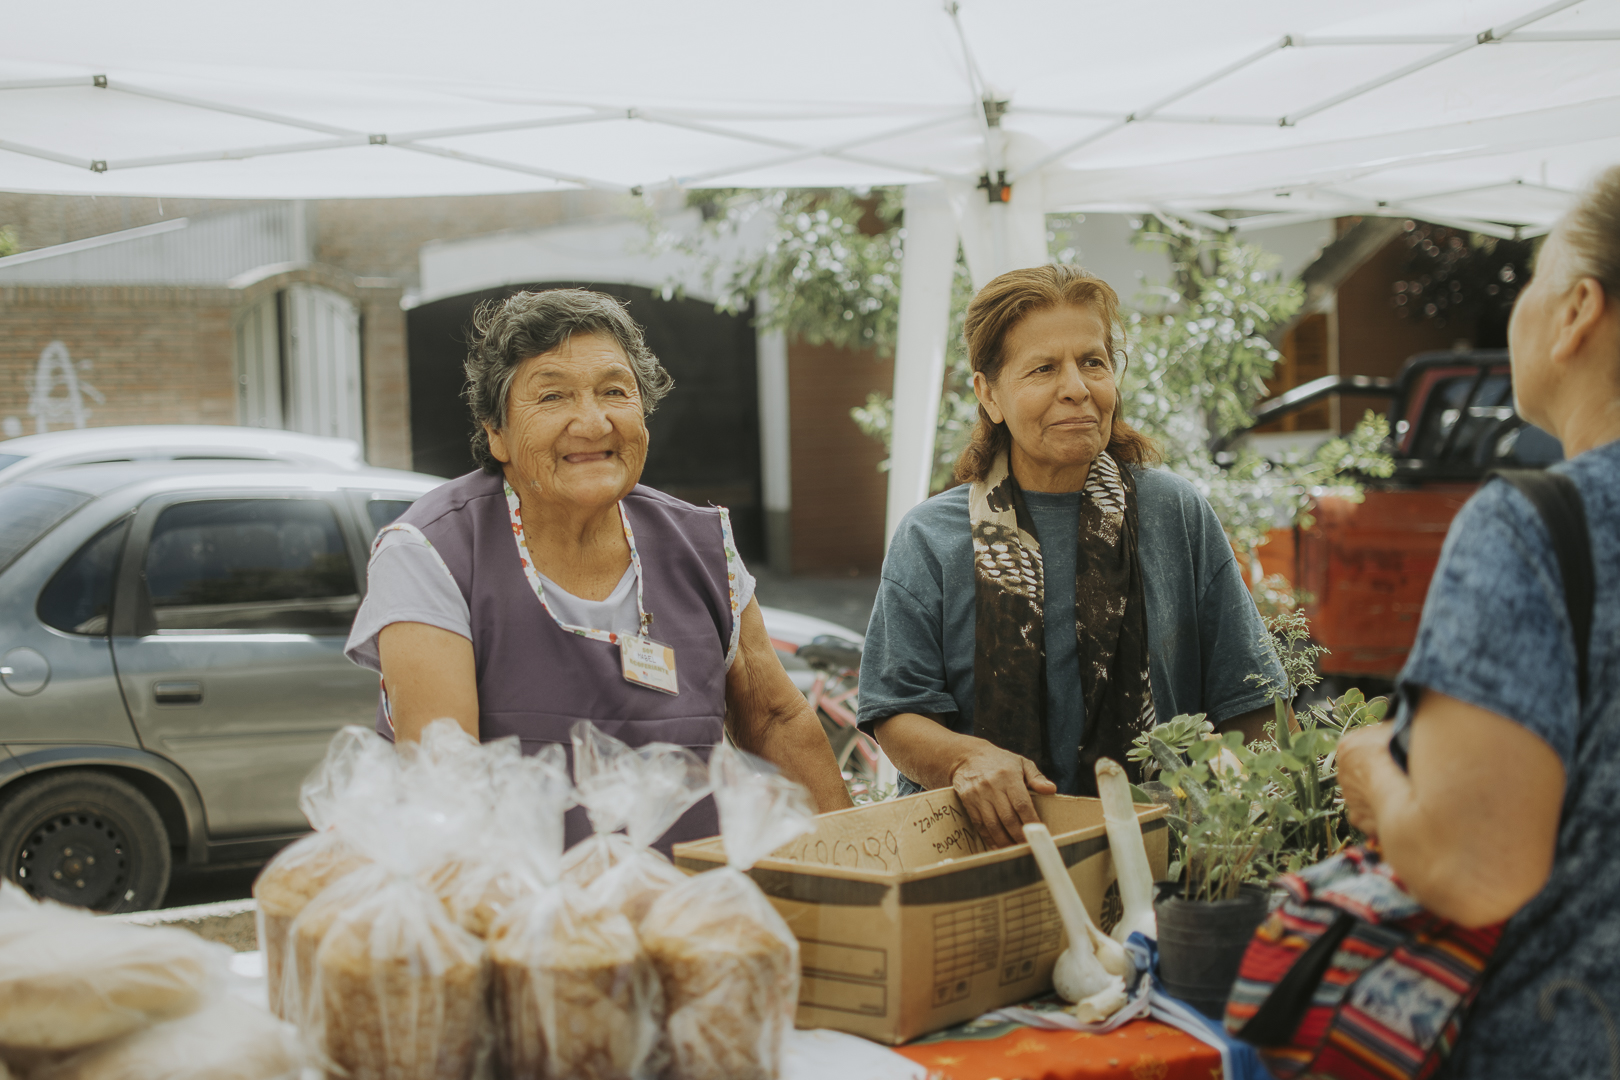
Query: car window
pixel 28 512
pixel 78 598
pixel 383 511
pixel 8 460
pixel 250 564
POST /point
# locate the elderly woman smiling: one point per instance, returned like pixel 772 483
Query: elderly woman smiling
pixel 1046 611
pixel 550 587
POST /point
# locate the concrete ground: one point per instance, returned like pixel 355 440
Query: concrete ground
pixel 846 601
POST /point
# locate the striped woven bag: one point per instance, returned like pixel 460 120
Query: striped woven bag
pixel 1350 978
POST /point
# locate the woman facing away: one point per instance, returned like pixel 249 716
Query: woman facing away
pixel 1508 807
pixel 1047 610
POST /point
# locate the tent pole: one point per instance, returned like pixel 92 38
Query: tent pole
pixel 927 265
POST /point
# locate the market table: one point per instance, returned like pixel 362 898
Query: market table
pixel 995 1050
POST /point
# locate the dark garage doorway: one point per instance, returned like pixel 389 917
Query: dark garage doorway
pixel 705 434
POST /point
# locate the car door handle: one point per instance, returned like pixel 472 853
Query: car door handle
pixel 177 693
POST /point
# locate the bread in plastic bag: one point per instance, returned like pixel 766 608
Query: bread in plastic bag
pixel 227 1039
pixel 645 791
pixel 69 979
pixel 728 963
pixel 304 869
pixel 491 871
pixel 574 994
pixel 385 984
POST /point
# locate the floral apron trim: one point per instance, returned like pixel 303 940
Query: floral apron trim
pixel 644 621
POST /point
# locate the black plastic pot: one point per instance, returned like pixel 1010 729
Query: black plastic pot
pixel 1201 943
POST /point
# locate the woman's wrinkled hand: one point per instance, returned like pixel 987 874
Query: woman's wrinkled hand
pixel 1359 754
pixel 994 786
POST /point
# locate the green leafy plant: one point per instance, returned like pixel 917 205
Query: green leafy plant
pixel 826 261
pixel 8 241
pixel 1247 813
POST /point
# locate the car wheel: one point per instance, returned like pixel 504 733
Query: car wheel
pixel 86 839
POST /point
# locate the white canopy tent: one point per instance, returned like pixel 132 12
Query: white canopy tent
pixel 1480 113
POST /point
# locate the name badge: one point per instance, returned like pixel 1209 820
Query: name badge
pixel 648 663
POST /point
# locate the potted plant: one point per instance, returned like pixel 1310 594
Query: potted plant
pixel 1240 815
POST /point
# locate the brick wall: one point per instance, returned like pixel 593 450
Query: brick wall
pixel 839 496
pixel 157 355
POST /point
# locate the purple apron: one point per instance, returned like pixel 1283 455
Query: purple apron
pixel 536 680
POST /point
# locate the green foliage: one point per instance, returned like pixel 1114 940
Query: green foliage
pixel 824 279
pixel 1199 357
pixel 1247 813
pixel 8 241
pixel 1197 346
pixel 958 408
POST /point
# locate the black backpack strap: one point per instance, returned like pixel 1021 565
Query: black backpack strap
pixel 1558 501
pixel 1279 1015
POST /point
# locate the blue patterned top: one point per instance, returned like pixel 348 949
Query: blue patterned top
pixel 1495 634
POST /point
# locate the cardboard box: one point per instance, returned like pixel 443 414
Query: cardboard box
pixel 907 923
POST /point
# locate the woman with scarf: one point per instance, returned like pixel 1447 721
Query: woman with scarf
pixel 1049 608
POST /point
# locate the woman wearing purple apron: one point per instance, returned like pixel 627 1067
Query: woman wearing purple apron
pixel 550 587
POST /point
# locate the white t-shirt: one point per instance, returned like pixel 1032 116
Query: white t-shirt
pixel 406 582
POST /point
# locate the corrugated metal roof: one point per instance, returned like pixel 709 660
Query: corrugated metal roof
pixel 189 251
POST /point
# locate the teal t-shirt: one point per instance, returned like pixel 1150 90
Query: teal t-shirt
pixel 1205 637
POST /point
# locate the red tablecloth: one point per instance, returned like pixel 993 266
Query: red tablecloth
pixel 1141 1050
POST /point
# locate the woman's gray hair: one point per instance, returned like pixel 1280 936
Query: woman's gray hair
pixel 507 332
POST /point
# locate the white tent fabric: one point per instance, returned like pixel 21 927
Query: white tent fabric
pixel 1480 113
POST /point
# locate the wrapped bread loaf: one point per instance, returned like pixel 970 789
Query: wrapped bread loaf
pixel 356 761
pixel 644 791
pixel 491 873
pixel 381 980
pixel 400 989
pixel 68 979
pixel 575 995
pixel 728 963
pixel 286 886
pixel 225 1040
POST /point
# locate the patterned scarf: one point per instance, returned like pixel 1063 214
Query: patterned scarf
pixel 1009 663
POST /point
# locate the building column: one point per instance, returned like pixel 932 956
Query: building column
pixel 775 443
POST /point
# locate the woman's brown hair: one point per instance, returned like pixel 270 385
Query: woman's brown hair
pixel 999 307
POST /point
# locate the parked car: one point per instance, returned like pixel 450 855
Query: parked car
pixel 171 647
pixel 160 442
pixel 1366 566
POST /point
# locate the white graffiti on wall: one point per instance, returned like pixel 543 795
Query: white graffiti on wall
pixel 57 370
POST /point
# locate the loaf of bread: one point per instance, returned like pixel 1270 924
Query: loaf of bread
pixel 225 1040
pixel 636 883
pixel 594 856
pixel 575 996
pixel 72 979
pixel 399 988
pixel 477 890
pixel 729 966
pixel 285 886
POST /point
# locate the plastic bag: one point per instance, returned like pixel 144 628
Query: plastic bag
pixel 574 993
pixel 226 1040
pixel 496 867
pixel 728 963
pixel 645 791
pixel 383 981
pixel 605 789
pixel 304 869
pixel 69 979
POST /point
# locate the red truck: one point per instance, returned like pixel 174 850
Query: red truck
pixel 1367 565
